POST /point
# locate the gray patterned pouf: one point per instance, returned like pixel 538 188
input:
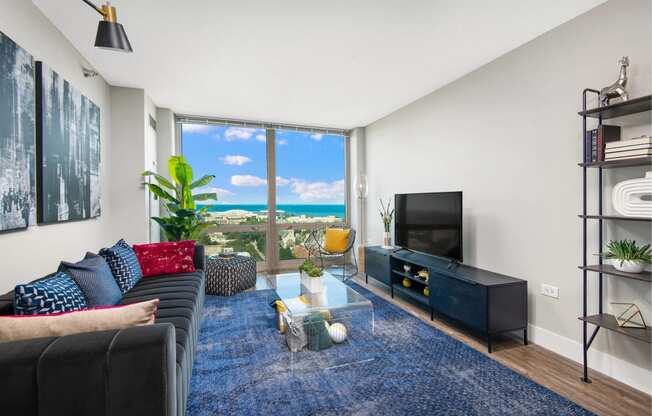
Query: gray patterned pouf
pixel 226 276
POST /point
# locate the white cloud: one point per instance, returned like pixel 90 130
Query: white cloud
pixel 237 160
pixel 247 180
pixel 319 191
pixel 250 180
pixel 222 192
pixel 281 142
pixel 238 133
pixel 317 136
pixel 261 137
pixel 196 128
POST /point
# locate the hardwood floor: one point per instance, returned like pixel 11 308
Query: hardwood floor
pixel 604 396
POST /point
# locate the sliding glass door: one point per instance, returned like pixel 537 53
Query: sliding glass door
pixel 237 158
pixel 310 188
pixel 267 218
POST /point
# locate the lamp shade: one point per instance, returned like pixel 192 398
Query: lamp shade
pixel 111 35
pixel 361 186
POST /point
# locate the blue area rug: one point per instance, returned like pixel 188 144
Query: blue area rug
pixel 241 368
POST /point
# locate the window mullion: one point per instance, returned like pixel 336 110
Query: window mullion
pixel 272 232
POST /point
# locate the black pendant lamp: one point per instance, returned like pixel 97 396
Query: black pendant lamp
pixel 110 34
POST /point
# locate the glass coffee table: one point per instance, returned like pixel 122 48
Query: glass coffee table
pixel 328 324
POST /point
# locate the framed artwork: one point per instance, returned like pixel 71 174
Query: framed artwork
pixel 68 150
pixel 17 142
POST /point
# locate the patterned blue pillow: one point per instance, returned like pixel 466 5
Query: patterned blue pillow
pixel 55 294
pixel 124 265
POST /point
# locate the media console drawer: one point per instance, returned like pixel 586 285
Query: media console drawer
pixel 376 264
pixel 459 299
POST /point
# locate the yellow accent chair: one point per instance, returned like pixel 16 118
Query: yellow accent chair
pixel 333 242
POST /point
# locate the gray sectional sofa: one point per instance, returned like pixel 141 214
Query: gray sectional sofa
pixel 137 371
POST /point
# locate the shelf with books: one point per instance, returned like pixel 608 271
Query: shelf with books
pixel 633 106
pixel 620 163
pixel 626 149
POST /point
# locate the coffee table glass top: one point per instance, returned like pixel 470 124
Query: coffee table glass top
pixel 299 300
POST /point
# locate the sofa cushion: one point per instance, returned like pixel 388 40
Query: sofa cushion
pixel 193 279
pixel 77 322
pixel 95 279
pixel 54 294
pixel 124 265
pixel 166 258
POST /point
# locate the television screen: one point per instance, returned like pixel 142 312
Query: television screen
pixel 430 223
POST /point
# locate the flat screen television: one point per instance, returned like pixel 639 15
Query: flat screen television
pixel 430 223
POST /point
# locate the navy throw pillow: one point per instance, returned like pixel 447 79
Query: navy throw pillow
pixel 124 265
pixel 54 294
pixel 94 277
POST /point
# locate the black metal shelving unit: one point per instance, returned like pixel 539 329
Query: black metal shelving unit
pixel 601 319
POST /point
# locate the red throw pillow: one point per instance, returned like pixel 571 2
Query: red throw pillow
pixel 166 258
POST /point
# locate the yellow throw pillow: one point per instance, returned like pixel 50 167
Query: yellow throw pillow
pixel 336 240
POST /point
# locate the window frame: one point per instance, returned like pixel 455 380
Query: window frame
pixel 271 228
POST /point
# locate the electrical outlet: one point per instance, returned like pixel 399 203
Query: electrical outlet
pixel 550 291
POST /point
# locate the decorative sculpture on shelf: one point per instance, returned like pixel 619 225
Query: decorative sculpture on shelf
pixel 628 315
pixel 633 197
pixel 617 89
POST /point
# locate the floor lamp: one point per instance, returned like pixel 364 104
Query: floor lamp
pixel 362 191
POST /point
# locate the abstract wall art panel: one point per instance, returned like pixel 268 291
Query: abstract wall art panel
pixel 68 150
pixel 17 137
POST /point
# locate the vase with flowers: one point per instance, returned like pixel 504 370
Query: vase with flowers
pixel 387 214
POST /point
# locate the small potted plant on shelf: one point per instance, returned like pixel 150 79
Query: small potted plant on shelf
pixel 627 256
pixel 311 276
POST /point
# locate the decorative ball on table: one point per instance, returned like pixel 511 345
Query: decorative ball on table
pixel 407 282
pixel 337 331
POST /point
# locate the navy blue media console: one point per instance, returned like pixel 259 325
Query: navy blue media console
pixel 487 302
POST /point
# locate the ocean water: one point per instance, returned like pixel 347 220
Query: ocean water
pixel 309 210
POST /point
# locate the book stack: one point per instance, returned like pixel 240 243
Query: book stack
pixel 596 141
pixel 628 149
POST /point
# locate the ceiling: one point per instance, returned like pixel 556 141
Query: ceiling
pixel 324 63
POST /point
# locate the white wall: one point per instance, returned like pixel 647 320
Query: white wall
pixel 166 139
pixel 29 254
pixel 131 108
pixel 508 136
pixel 151 163
pixel 357 168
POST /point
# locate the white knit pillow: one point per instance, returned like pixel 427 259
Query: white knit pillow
pixel 13 328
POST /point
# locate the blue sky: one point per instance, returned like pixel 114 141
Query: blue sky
pixel 310 167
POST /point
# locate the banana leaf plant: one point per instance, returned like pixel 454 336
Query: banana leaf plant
pixel 185 221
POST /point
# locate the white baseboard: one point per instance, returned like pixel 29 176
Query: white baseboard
pixel 636 377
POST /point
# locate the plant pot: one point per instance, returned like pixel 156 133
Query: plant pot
pixel 628 266
pixel 387 240
pixel 312 284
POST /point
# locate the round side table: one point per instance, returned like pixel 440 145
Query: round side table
pixel 226 276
